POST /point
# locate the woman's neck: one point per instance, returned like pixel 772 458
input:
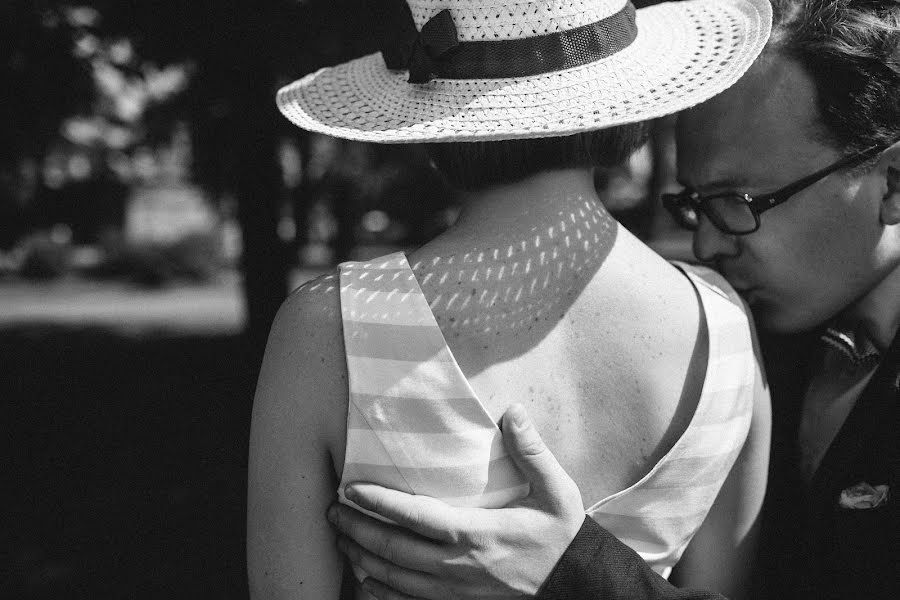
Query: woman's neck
pixel 514 262
pixel 553 220
pixel 518 211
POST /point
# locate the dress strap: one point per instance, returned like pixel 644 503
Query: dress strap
pixel 414 423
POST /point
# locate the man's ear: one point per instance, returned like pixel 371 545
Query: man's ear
pixel 890 202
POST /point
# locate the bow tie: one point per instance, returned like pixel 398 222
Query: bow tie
pixel 853 345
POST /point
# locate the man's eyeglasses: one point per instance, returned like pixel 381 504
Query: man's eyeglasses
pixel 738 214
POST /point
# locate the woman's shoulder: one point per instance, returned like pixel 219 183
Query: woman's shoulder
pixel 305 367
pixel 318 298
pixel 296 447
pixel 308 323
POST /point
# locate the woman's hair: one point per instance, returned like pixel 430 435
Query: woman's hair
pixel 473 166
pixel 851 48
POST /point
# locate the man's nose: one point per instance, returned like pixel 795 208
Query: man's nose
pixel 710 243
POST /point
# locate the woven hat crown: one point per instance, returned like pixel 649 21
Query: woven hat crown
pixel 486 20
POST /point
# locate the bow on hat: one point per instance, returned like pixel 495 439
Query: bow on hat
pixel 403 47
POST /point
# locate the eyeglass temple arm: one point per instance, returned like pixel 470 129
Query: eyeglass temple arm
pixel 777 197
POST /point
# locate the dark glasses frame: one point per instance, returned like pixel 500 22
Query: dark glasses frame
pixel 676 203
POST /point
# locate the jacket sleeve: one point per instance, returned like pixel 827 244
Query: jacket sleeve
pixel 597 566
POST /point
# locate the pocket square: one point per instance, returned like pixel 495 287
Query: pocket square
pixel 862 496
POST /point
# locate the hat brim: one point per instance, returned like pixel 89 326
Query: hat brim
pixel 685 53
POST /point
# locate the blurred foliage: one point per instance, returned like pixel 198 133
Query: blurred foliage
pixel 240 50
pixel 44 257
pixel 108 78
pixel 39 69
pixel 87 77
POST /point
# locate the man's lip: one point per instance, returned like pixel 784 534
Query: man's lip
pixel 734 280
pixel 740 286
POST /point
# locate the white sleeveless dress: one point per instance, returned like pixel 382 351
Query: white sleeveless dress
pixel 415 424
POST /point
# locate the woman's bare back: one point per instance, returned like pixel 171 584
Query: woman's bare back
pixel 600 338
pixel 609 364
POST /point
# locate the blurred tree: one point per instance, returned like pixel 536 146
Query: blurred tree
pixel 242 51
pixel 38 69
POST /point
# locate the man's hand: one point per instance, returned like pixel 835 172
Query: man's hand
pixel 437 551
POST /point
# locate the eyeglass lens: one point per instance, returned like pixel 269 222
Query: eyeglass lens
pixel 686 215
pixel 731 213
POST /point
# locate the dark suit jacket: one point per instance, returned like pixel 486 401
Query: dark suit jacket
pixel 809 546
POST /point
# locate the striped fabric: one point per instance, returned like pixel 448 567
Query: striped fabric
pixel 414 422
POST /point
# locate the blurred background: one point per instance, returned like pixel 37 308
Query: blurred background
pixel 155 210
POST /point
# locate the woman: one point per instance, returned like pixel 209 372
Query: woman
pixel 396 370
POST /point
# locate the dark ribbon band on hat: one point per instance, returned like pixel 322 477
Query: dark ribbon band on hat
pixel 437 52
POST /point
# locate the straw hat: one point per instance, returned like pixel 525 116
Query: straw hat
pixel 469 70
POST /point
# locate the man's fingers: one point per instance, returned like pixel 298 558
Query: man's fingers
pixel 426 516
pixel 409 583
pixel 390 543
pixel 534 459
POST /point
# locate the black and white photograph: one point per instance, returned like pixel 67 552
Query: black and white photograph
pixel 450 299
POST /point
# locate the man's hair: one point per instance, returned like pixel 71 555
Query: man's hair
pixel 473 166
pixel 851 48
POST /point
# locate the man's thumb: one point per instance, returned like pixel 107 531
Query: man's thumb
pixel 534 459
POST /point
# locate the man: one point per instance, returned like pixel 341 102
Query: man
pixel 793 189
